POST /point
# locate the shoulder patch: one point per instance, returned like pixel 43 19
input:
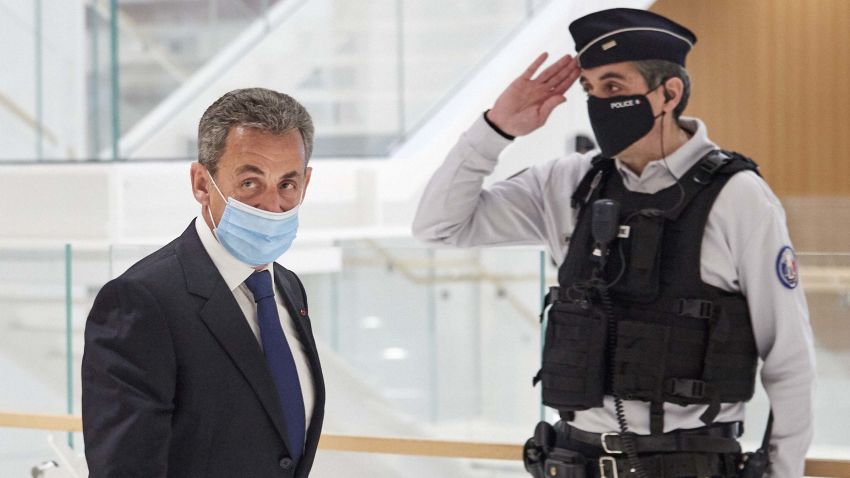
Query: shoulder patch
pixel 786 267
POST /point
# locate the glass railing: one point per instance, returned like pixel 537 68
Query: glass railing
pixel 151 49
pixel 422 342
pixel 78 75
pixel 129 79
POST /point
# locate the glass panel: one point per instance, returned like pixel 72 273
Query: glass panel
pixel 511 343
pixel 32 348
pixel 341 64
pixel 435 62
pixel 42 84
pixel 426 331
pixel 369 72
pixel 18 92
pixel 36 301
pixel 415 342
pixel 826 277
pixel 163 43
pixel 99 73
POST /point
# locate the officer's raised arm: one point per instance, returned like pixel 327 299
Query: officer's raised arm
pixel 455 208
pixel 528 101
pixel 676 272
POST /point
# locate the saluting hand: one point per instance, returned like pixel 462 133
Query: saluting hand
pixel 527 103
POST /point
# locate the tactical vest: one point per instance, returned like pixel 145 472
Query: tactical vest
pixel 661 334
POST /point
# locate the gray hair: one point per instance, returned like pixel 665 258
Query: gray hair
pixel 656 72
pixel 256 108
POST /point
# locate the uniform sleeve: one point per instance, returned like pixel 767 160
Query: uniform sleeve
pixel 456 209
pixel 128 381
pixel 768 278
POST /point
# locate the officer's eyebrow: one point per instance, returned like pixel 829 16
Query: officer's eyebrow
pixel 607 76
pixel 611 75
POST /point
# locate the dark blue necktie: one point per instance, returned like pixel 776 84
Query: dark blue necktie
pixel 279 358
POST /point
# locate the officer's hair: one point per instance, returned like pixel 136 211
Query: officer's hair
pixel 656 71
pixel 257 108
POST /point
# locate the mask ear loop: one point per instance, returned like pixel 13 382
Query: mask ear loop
pixel 209 209
pixel 303 192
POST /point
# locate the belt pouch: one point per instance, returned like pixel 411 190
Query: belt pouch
pixel 561 463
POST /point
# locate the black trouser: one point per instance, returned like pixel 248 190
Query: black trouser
pixel 705 452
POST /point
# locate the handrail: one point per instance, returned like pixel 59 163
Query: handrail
pixel 498 280
pixel 10 105
pixel 393 446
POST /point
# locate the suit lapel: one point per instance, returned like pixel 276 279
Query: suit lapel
pixel 299 317
pixel 225 320
pixel 301 321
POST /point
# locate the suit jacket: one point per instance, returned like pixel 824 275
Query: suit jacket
pixel 174 381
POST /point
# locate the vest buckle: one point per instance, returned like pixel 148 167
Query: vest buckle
pixel 682 387
pixel 603 438
pixel 700 309
pixel 709 165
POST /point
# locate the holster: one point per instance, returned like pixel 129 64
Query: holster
pixel 543 460
pixel 753 464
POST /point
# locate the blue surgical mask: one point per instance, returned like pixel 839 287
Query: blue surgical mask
pixel 252 235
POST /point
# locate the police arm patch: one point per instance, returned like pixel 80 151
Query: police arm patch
pixel 786 267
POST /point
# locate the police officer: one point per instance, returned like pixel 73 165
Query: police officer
pixel 648 357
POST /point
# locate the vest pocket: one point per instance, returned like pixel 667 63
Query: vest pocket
pixel 642 252
pixel 573 372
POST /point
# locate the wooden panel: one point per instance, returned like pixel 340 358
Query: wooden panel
pixel 769 79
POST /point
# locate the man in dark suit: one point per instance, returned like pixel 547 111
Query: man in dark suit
pixel 200 360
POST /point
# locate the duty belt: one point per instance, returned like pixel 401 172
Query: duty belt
pixel 719 438
pixel 666 465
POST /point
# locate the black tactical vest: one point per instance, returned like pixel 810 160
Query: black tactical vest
pixel 658 333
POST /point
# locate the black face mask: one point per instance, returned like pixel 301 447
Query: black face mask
pixel 619 121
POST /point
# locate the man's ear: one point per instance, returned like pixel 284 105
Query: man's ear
pixel 200 183
pixel 672 88
pixel 308 172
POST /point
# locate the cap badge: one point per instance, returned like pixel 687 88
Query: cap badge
pixel 609 45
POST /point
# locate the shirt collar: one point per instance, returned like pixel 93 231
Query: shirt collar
pixel 232 270
pixel 655 176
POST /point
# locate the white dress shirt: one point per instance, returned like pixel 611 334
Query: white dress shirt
pixel 744 234
pixel 234 273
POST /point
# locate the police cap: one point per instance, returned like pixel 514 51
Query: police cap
pixel 626 34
